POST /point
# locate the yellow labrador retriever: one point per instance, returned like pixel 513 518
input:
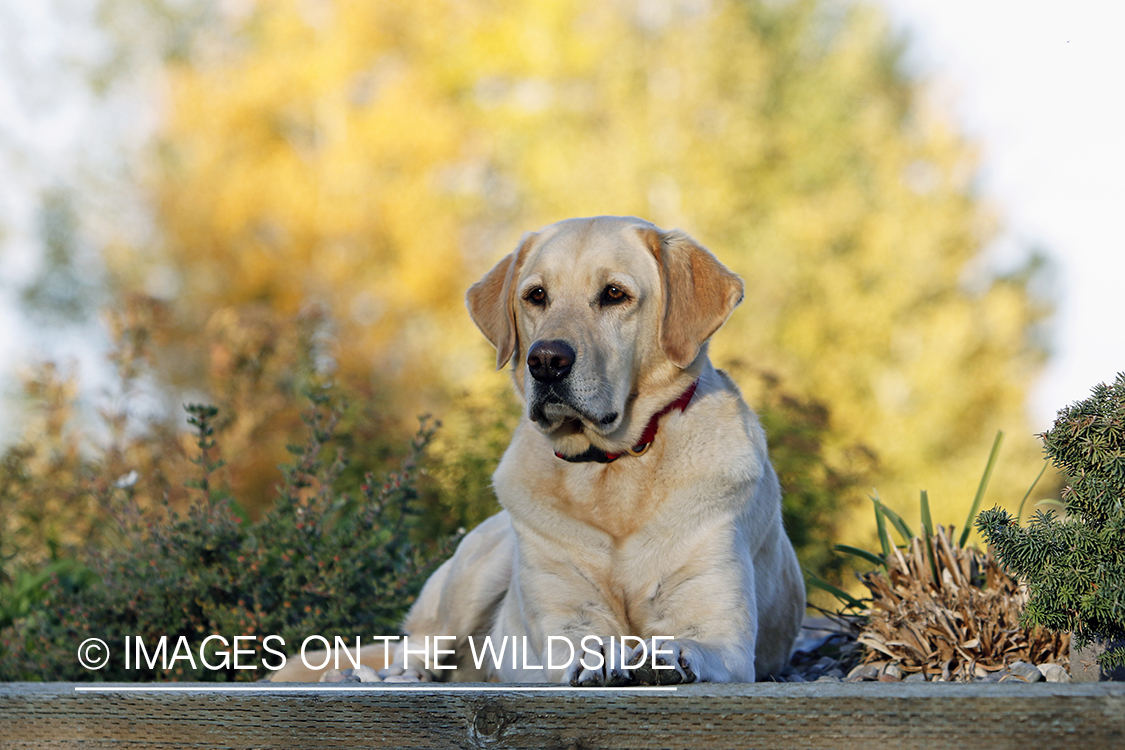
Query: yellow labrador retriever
pixel 638 495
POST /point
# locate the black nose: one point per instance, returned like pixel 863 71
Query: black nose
pixel 549 361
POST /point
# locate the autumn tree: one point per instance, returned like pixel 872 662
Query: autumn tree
pixel 360 163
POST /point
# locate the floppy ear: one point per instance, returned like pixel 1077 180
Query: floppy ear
pixel 491 302
pixel 699 293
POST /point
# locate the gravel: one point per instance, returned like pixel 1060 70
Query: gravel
pixel 828 652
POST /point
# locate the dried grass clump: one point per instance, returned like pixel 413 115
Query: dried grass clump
pixel 956 616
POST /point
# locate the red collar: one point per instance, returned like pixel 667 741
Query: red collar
pixel 593 454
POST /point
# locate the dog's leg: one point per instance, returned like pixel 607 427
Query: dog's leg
pixel 709 628
pixel 601 662
pixel 781 605
pixel 675 661
pixel 710 649
pixel 459 600
pixel 299 669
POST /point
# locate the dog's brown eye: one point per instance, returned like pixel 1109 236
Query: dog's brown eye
pixel 613 295
pixel 537 296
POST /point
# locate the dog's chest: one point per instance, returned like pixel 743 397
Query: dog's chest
pixel 621 502
pixel 653 583
pixel 631 536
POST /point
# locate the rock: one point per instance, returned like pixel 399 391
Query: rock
pixel 835 672
pixel 820 634
pixel 892 671
pixel 796 677
pixel 827 678
pixel 916 677
pixel 338 675
pixel 362 673
pixel 824 663
pixel 998 676
pixel 366 674
pixel 1025 671
pixel 1054 673
pixel 822 666
pixel 888 678
pixel 864 672
pixel 1084 665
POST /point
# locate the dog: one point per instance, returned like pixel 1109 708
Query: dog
pixel 638 495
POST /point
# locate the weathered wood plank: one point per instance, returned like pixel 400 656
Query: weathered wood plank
pixel 774 716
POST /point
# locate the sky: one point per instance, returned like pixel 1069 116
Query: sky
pixel 1041 87
pixel 1038 85
pixel 54 130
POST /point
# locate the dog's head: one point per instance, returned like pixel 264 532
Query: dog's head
pixel 604 319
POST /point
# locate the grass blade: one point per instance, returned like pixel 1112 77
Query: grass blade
pixel 880 521
pixel 928 530
pixel 927 522
pixel 1019 515
pixel 869 556
pixel 983 486
pixel 840 594
pixel 900 525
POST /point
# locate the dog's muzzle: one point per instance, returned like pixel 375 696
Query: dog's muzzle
pixel 550 361
pixel 555 396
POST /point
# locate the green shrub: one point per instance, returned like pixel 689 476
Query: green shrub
pixel 1074 566
pixel 320 562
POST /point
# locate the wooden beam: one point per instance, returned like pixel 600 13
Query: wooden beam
pixel 865 716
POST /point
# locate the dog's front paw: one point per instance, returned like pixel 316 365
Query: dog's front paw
pixel 599 666
pixel 665 663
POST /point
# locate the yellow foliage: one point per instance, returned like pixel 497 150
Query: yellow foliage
pixel 371 158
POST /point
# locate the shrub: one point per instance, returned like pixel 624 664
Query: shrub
pixel 1074 565
pixel 949 624
pixel 320 562
pixel 937 606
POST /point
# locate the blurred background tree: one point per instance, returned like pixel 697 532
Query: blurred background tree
pixel 330 176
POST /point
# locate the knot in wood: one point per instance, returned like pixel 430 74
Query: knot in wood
pixel 489 720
